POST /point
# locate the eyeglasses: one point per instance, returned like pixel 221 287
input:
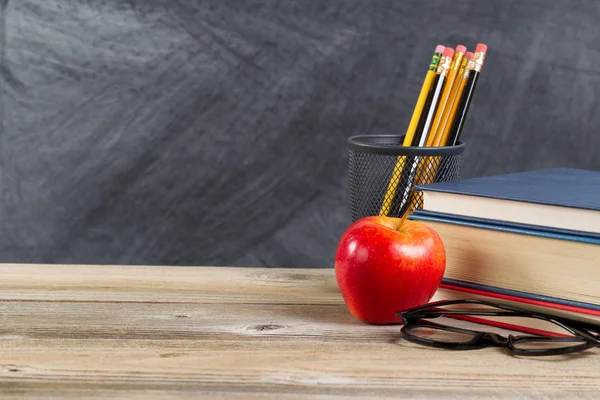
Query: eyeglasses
pixel 554 336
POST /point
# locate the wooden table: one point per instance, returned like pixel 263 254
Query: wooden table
pixel 190 332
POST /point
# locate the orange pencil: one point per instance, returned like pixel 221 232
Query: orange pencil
pixel 450 83
pixel 467 96
pixel 461 82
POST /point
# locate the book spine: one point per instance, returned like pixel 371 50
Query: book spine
pixel 506 226
pixel 519 297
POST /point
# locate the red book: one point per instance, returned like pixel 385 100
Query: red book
pixel 586 314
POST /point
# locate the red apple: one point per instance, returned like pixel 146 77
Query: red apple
pixel 384 265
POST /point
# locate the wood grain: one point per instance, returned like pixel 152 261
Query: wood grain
pixel 199 332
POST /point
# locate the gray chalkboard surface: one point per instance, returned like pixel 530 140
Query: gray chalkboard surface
pixel 213 132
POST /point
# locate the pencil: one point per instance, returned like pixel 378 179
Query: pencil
pixel 443 69
pixel 429 77
pixel 456 61
pixel 409 174
pixel 467 96
pixel 463 75
pixel 408 138
pixel 429 101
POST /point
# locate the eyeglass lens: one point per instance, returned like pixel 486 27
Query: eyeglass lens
pixel 440 334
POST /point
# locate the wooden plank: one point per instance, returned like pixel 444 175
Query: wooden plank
pixel 280 367
pixel 99 283
pixel 69 339
pixel 198 322
pixel 276 349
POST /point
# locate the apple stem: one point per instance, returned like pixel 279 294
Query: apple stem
pixel 406 213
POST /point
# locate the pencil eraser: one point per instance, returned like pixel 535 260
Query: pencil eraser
pixel 448 52
pixel 439 48
pixel 469 55
pixel 481 48
pixel 460 48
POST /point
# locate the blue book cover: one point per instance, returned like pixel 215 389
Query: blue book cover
pixel 565 187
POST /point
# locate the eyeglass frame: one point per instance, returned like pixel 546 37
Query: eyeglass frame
pixel 412 317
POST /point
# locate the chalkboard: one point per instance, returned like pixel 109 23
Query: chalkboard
pixel 214 132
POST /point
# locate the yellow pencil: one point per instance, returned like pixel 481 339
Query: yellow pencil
pixel 412 127
pixel 456 61
pixel 429 77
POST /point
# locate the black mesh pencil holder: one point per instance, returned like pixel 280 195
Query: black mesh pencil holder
pixel 383 173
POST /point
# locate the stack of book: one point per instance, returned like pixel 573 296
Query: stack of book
pixel 528 239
